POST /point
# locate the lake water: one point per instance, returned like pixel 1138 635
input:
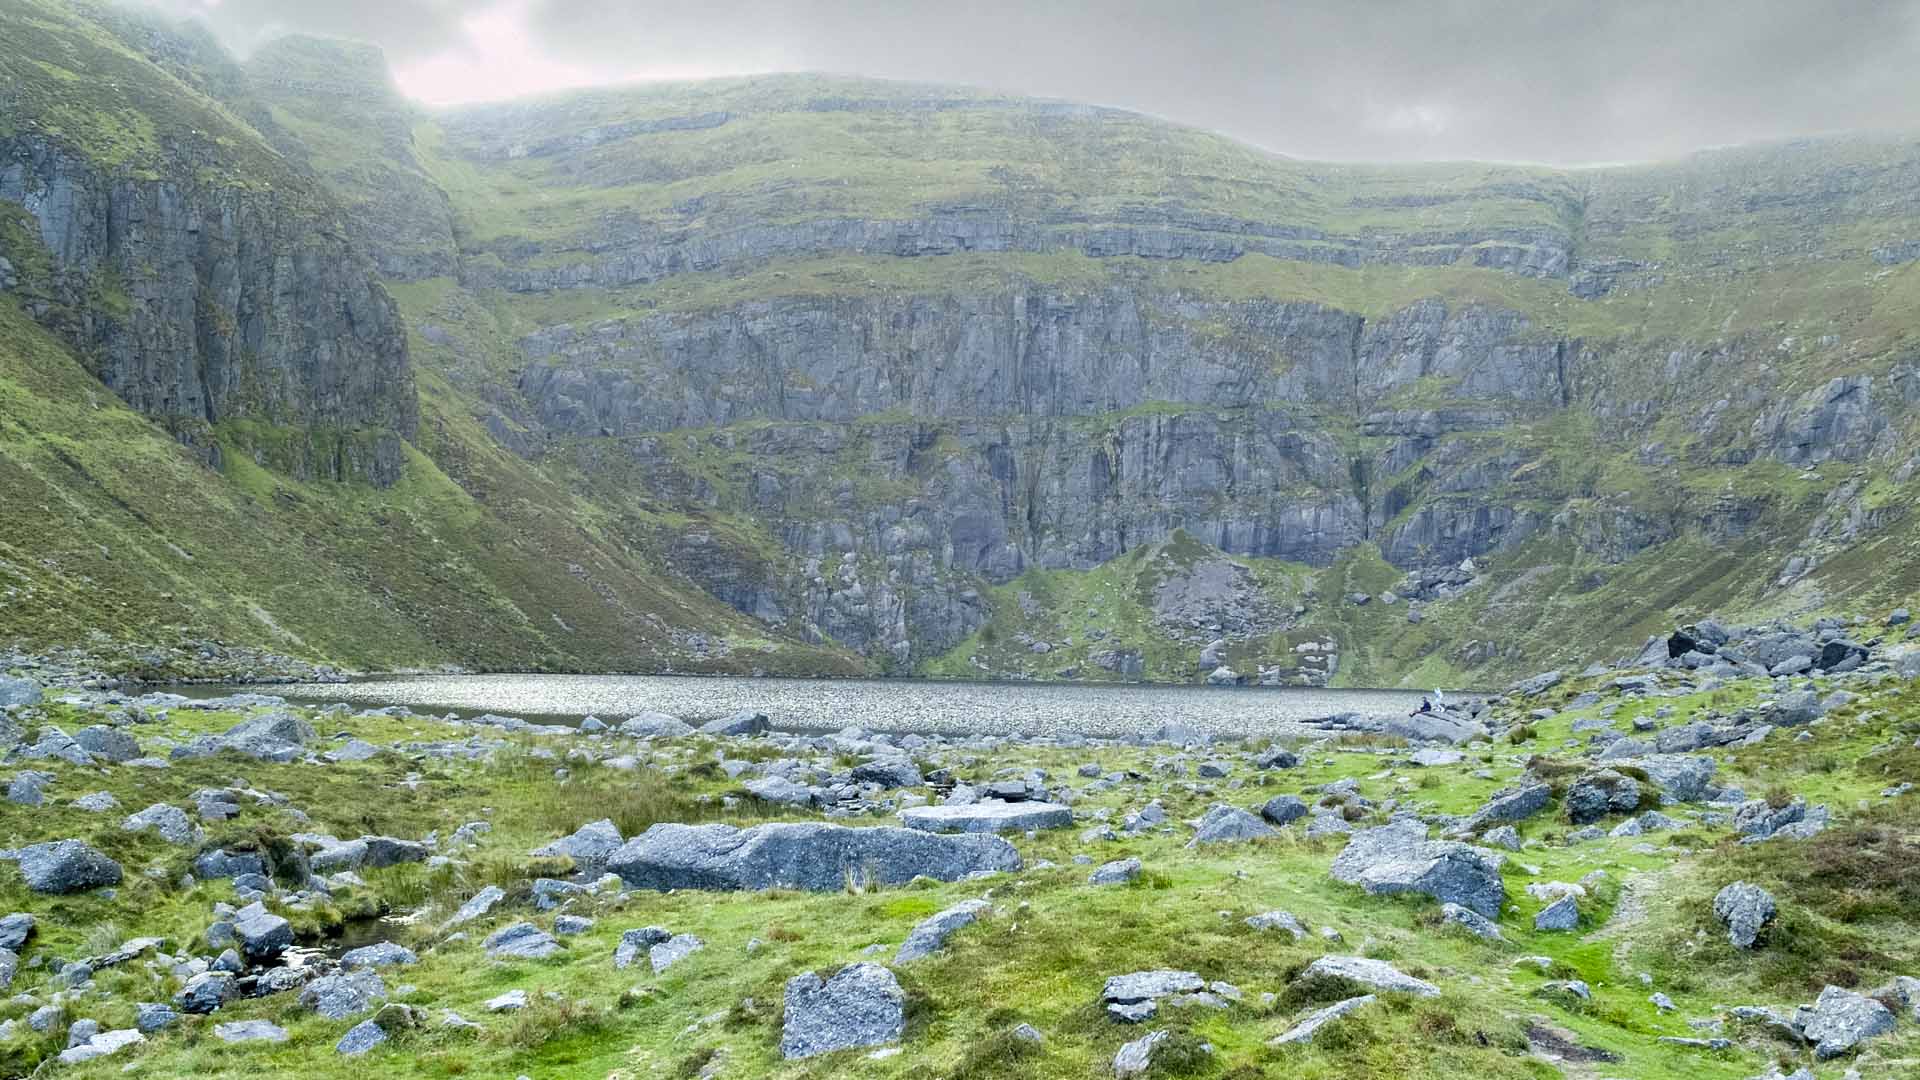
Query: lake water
pixel 898 705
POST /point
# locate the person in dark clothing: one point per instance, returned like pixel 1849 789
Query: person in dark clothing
pixel 1425 706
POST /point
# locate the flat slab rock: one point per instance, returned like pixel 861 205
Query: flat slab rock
pixel 1398 858
pixel 1372 974
pixel 987 817
pixel 800 855
pixel 1306 1029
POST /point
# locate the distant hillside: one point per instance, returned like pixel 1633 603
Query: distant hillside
pixel 818 373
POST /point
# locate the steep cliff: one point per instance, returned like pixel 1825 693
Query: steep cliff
pixel 823 374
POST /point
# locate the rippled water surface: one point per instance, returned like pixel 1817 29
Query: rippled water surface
pixel 877 704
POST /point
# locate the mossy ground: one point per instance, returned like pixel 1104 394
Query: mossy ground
pixel 1040 959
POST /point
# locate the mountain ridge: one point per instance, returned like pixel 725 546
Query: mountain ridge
pixel 873 365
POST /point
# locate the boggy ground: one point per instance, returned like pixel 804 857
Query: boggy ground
pixel 1848 915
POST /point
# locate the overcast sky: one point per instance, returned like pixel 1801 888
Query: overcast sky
pixel 1514 80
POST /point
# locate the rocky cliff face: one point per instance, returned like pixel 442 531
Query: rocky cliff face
pixel 206 285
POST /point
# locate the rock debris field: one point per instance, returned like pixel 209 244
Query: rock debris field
pixel 1696 862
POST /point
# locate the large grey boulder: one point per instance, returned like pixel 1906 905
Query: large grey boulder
pixel 100 1044
pixel 1679 778
pixel 1562 914
pixel 1600 793
pixel 1117 872
pixel 205 992
pixel 15 929
pixel 66 866
pixel 1306 1029
pixel 1373 974
pixel 931 935
pixel 18 691
pixel 476 907
pixel 238 1031
pixel 169 822
pixel 654 725
pixel 262 934
pixel 861 1005
pixel 588 847
pixel 1150 986
pixel 1744 909
pixel 800 855
pixel 1229 824
pixel 888 773
pixel 378 955
pixel 1842 1019
pixel 274 736
pixel 1511 807
pixel 348 994
pixel 1284 809
pixel 987 816
pixel 1398 857
pixel 521 941
pixel 782 791
pixel 743 723
pixel 107 744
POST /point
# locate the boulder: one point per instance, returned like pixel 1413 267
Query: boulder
pixel 588 847
pixel 262 934
pixel 1305 1029
pixel 169 822
pixel 665 954
pixel 930 936
pixel 1562 914
pixel 1284 809
pixel 476 907
pixel 803 855
pixel 1536 684
pixel 378 955
pixel 1511 807
pixel 1149 986
pixel 521 941
pixel 18 692
pixel 1227 825
pixel 888 773
pixel 1472 921
pixel 15 929
pixel 338 997
pixel 635 942
pixel 1598 794
pixel 1278 758
pixel 238 1031
pixel 1745 910
pixel 205 992
pixel 1118 872
pixel 782 791
pixel 1679 778
pixel 1399 858
pixel 744 723
pixel 360 1038
pixel 66 866
pixel 1373 974
pixel 107 744
pixel 1135 1058
pixel 861 1005
pixel 1842 1019
pixel 1277 920
pixel 654 725
pixel 987 816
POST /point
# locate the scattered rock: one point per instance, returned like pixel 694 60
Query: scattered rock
pixel 931 934
pixel 1305 1029
pixel 1744 909
pixel 861 1005
pixel 1373 974
pixel 812 856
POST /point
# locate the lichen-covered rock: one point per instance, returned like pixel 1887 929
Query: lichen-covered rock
pixel 987 816
pixel 1842 1019
pixel 860 1005
pixel 801 855
pixel 1399 858
pixel 1745 910
pixel 931 935
pixel 1373 974
pixel 66 866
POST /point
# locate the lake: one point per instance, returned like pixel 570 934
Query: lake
pixel 897 705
